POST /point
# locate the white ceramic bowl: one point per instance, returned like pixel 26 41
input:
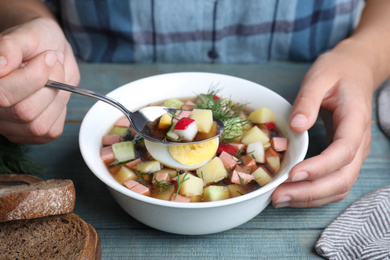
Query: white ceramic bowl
pixel 188 218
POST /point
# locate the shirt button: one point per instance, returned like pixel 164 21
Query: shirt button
pixel 213 54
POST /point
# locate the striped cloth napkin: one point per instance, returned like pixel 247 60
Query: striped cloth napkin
pixel 361 232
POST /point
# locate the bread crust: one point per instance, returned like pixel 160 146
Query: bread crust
pixel 8 180
pixel 49 237
pixel 39 199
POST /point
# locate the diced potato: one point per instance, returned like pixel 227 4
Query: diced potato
pixel 212 171
pixel 262 115
pixel 262 177
pixel 172 173
pixel 190 185
pixel 215 193
pixel 254 135
pixel 273 162
pixel 235 190
pixel 196 198
pixel 124 174
pixel 210 134
pixel 148 166
pixel 203 118
pixel 165 121
pixel 256 150
pixel 163 194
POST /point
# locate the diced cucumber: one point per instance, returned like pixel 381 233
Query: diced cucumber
pixel 119 130
pixel 173 102
pixel 204 101
pixel 171 135
pixel 124 151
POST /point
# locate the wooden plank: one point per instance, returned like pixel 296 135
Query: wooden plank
pixel 234 244
pixel 274 233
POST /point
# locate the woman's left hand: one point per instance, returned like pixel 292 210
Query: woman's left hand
pixel 342 85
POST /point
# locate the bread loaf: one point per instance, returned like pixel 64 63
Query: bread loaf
pixel 53 237
pixel 36 199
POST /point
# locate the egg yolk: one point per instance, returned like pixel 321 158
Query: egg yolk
pixel 194 154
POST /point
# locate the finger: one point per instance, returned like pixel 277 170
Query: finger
pixel 21 43
pixel 42 125
pixel 309 98
pixel 54 133
pixel 23 82
pixel 72 73
pixel 11 55
pixel 29 108
pixel 351 128
pixel 330 188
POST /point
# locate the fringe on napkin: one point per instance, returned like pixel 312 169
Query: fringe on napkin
pixel 362 231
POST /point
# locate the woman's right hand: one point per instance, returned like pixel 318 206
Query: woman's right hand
pixel 30 54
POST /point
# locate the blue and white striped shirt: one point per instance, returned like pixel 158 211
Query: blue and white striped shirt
pixel 205 31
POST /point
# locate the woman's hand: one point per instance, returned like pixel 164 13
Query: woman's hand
pixel 30 54
pixel 344 86
pixel 341 82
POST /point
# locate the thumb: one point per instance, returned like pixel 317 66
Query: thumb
pixel 11 54
pixel 307 104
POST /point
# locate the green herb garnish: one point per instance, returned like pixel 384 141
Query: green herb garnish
pixel 227 111
pixel 180 182
pixel 161 186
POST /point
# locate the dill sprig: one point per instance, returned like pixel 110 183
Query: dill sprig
pixel 180 182
pixel 14 159
pixel 227 111
pixel 161 186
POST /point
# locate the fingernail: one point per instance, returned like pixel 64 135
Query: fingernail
pixel 60 57
pixel 3 62
pixel 299 120
pixel 283 199
pixel 50 58
pixel 282 205
pixel 300 176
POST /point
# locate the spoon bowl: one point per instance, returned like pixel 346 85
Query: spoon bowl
pixel 138 119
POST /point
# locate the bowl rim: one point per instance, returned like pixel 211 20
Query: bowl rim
pixel 277 180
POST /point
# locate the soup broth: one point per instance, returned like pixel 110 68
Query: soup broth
pixel 248 155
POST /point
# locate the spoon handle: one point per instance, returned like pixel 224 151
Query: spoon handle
pixel 89 93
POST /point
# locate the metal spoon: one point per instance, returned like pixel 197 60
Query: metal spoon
pixel 138 119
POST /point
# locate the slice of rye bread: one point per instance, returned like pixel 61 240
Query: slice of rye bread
pixel 7 180
pixel 54 237
pixel 38 199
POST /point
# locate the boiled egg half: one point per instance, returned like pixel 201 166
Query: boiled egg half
pixel 184 157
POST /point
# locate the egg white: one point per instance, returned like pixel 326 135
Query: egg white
pixel 161 153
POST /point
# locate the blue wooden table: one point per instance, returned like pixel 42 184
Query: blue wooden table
pixel 285 233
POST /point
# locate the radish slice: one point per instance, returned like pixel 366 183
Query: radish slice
pixel 186 128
